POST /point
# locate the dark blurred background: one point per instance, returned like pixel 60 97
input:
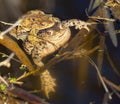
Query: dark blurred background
pixel 74 86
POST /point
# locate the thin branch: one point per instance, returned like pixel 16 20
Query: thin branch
pixel 33 99
pixel 116 92
pixel 6 23
pixel 6 62
pixel 21 93
pixel 4 81
pixel 111 84
pixel 10 28
pixel 101 18
pixel 118 1
pixel 99 74
pixel 101 52
pixel 14 47
pixel 12 57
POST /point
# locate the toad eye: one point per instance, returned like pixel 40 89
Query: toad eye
pixel 45 31
pixel 49 32
pixel 41 32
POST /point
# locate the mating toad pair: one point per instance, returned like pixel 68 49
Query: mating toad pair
pixel 42 34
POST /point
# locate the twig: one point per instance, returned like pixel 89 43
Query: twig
pixel 25 95
pixel 99 74
pixel 101 18
pixel 4 81
pixel 9 29
pixel 5 23
pixel 100 53
pixel 111 84
pixel 114 87
pixel 21 93
pixel 12 57
pixel 117 1
pixel 116 92
pixel 14 47
pixel 6 62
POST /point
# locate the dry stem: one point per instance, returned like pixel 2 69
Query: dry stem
pixel 6 62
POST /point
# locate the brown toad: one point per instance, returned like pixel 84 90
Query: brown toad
pixel 42 34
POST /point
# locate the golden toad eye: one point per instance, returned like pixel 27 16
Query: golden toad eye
pixel 49 32
pixel 45 31
pixel 40 32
